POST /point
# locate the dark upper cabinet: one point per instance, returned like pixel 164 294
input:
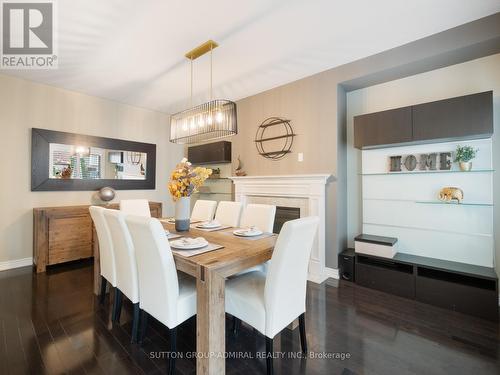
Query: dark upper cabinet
pixel 465 116
pixel 216 152
pixel 383 128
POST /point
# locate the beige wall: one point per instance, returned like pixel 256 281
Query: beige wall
pixel 24 105
pixel 311 105
pixel 461 79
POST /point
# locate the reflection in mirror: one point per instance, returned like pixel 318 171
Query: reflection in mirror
pixel 93 163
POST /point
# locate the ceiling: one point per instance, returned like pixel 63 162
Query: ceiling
pixel 133 51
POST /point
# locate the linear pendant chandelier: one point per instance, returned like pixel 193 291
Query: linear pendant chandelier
pixel 212 120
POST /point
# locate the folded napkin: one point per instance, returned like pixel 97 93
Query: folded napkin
pixel 192 241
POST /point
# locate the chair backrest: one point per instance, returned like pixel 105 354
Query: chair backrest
pixel 138 207
pixel 286 282
pixel 106 254
pixel 158 283
pixel 260 216
pixel 203 210
pixel 229 213
pixel 126 267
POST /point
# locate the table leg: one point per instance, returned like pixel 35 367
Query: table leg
pixel 210 323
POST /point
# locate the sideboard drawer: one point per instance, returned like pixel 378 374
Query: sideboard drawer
pixel 70 238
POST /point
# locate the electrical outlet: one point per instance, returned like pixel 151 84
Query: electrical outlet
pixel 300 157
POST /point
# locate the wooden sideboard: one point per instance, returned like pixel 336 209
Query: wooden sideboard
pixel 63 234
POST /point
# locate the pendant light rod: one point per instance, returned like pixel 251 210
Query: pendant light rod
pixel 211 71
pixel 191 86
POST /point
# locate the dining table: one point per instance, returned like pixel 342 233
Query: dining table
pixel 211 269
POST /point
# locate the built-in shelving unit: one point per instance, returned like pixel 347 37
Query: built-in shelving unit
pixel 405 204
pixel 211 193
pixel 216 189
pixel 427 172
pixel 457 204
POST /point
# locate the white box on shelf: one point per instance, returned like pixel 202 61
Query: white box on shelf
pixel 385 247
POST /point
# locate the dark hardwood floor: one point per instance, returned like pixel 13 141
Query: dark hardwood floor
pixel 51 323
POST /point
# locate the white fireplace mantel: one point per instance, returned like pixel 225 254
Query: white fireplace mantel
pixel 306 191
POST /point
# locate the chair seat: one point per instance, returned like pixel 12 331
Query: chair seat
pixel 186 307
pixel 245 299
pixel 258 268
pixel 186 302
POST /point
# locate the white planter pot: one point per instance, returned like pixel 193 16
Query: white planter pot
pixel 465 166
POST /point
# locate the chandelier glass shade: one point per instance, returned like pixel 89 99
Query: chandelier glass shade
pixel 212 120
pixel 208 121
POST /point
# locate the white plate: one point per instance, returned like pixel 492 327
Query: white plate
pixel 247 232
pixel 189 243
pixel 209 225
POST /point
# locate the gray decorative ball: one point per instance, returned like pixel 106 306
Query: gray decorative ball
pixel 106 194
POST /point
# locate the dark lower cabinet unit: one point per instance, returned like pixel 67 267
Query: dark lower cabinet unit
pixel 456 286
pixel 391 277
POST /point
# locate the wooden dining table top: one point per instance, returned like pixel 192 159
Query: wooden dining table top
pixel 237 254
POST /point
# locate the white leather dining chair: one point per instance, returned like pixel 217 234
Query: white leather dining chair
pixel 139 207
pixel 166 297
pixel 228 213
pixel 126 268
pixel 269 302
pixel 260 216
pixel 106 255
pixel 203 210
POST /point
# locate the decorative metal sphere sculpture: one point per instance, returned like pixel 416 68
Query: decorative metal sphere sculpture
pixel 107 194
pixel 281 139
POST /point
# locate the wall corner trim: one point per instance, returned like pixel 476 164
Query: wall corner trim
pixel 11 264
pixel 331 273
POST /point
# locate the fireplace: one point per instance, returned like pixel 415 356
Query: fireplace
pixel 294 196
pixel 284 214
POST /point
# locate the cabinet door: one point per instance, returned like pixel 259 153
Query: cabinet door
pixel 383 128
pixel 70 238
pixel 469 116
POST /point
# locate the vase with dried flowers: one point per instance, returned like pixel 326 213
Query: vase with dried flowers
pixel 184 181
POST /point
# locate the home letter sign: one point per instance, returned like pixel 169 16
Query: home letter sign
pixel 426 162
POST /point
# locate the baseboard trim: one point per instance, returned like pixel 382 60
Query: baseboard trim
pixel 332 272
pixel 11 264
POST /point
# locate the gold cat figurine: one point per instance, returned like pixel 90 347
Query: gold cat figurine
pixel 448 194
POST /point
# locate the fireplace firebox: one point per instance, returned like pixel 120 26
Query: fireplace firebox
pixel 284 214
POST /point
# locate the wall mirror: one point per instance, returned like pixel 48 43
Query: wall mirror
pixel 66 161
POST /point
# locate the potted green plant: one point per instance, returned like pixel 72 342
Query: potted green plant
pixel 463 157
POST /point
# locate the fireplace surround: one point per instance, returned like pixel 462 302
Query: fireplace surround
pixel 303 192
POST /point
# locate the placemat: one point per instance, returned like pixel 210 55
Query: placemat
pixel 190 253
pixel 171 220
pixel 194 226
pixel 173 236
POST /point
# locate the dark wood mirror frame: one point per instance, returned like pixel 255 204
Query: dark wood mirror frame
pixel 40 181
